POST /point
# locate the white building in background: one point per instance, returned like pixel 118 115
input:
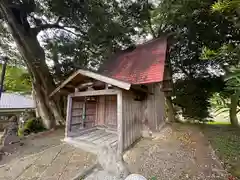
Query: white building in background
pixel 12 103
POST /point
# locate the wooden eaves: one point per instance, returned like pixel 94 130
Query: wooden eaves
pixel 105 79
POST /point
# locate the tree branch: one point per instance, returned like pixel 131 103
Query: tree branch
pixel 67 30
pixel 59 19
pixel 184 71
pixel 53 26
pixel 56 25
pixel 149 21
pixel 151 28
pixel 225 68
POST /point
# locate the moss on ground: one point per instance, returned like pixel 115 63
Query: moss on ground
pixel 225 140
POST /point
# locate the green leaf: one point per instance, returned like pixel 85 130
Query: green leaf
pixel 221 5
pixel 154 178
pixel 17 80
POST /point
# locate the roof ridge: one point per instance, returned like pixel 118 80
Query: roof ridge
pixel 151 41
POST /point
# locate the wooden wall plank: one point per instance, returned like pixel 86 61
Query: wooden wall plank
pixel 153 108
pixel 111 111
pixel 97 111
pixel 100 110
pixel 90 116
pixel 69 116
pixel 131 119
pixel 76 115
pixel 120 123
pixel 127 117
pixel 159 104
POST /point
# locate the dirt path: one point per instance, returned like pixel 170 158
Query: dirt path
pixel 31 145
pixel 44 158
pixel 61 162
pixel 178 152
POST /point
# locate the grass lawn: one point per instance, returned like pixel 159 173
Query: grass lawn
pixel 218 123
pixel 226 142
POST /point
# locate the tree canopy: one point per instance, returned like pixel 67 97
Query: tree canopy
pixel 201 50
pixel 54 38
pixel 66 35
pixel 17 80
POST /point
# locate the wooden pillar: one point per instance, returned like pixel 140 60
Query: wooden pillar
pixel 120 123
pixel 167 88
pixel 68 116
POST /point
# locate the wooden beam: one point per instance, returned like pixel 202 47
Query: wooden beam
pixel 69 116
pixel 65 91
pixel 141 89
pixel 70 86
pixel 106 85
pixel 95 93
pixel 64 83
pixel 85 85
pixel 108 80
pixel 120 123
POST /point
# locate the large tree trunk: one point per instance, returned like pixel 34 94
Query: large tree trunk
pixel 233 108
pixel 34 56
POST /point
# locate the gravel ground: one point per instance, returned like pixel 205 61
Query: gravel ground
pixel 101 175
pixel 61 162
pixel 31 145
pixel 44 157
pixel 178 152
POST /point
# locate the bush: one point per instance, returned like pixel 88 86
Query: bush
pixel 20 132
pixel 193 96
pixel 33 125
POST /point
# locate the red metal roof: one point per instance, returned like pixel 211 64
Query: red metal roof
pixel 144 64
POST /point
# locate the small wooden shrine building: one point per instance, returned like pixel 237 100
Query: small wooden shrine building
pixel 115 105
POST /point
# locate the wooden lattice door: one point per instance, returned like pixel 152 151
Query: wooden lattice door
pixel 83 113
pixel 90 112
pixel 111 111
pixel 77 113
